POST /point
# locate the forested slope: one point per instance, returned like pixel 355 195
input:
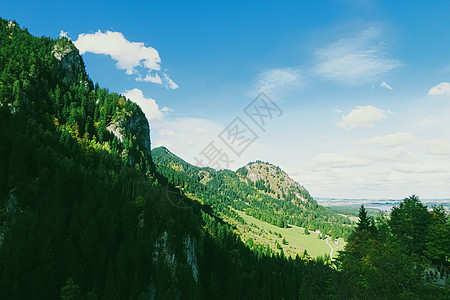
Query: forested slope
pixel 83 215
pixel 261 190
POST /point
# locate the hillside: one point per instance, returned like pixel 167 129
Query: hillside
pixel 84 215
pixel 259 189
pixel 273 181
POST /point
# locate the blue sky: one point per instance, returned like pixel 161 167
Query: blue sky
pixel 363 86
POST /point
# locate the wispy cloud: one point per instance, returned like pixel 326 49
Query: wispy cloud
pixel 186 136
pixel 442 88
pixel 355 60
pixel 170 83
pixel 391 140
pixel 275 78
pixel 150 78
pixel 385 85
pixel 361 117
pixel 359 157
pixel 128 55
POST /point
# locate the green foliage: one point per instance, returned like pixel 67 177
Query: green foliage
pixel 438 239
pixel 70 291
pixel 353 211
pixel 46 79
pixel 365 223
pixel 375 264
pixel 224 189
pixel 410 223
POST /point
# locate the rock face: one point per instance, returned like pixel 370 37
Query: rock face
pixel 132 125
pixel 275 181
pixel 137 124
pixel 71 61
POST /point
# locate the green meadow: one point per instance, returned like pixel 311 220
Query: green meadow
pixel 296 240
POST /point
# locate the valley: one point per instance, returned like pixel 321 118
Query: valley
pixel 294 237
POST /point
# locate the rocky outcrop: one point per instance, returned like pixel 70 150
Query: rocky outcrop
pixel 276 180
pixel 71 63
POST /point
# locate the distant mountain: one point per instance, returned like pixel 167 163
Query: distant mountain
pixel 259 189
pixel 274 182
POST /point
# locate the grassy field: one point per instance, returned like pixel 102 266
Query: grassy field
pixel 297 241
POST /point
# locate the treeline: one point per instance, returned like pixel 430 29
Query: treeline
pixel 224 189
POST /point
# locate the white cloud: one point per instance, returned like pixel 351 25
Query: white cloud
pixel 166 109
pixel 187 136
pixel 128 55
pixel 392 140
pixel 150 78
pixel 356 60
pixel 358 157
pixel 272 79
pixel 442 88
pixel 336 160
pixel 148 105
pixel 170 83
pixel 428 166
pixel 166 133
pixel 385 85
pixel 361 172
pixel 438 146
pixel 362 117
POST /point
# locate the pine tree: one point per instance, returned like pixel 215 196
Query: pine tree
pixel 364 222
pixel 410 224
pixel 70 291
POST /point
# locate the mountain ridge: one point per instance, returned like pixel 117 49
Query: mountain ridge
pixel 259 189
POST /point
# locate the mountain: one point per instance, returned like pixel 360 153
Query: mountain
pixel 85 215
pixel 273 181
pixel 259 189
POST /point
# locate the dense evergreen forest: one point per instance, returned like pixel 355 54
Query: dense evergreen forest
pixel 85 215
